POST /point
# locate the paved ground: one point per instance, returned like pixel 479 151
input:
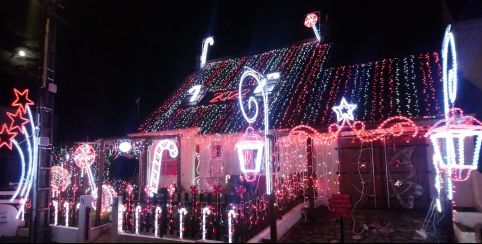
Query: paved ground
pixel 104 238
pixel 383 226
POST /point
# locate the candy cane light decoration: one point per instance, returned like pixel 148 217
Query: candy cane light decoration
pixel 161 146
pixel 206 212
pixel 451 135
pixel 206 43
pixel 156 220
pixel 231 215
pixel 262 85
pixel 182 212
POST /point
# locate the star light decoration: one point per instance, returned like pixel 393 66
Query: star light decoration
pixel 22 100
pixel 6 137
pixel 17 121
pixel 344 111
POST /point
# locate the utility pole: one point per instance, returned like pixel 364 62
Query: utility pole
pixel 40 212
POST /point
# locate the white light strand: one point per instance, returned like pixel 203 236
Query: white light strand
pixel 25 191
pixel 56 211
pixel 66 206
pixel 21 181
pixel 156 221
pixel 231 215
pixel 449 75
pixel 182 212
pixel 206 212
pixel 120 217
pixel 138 211
pixel 438 184
pixel 93 187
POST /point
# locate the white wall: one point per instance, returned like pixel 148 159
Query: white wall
pixel 8 222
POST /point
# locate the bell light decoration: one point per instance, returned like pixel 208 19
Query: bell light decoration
pixel 456 136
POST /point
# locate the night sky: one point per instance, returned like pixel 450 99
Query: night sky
pixel 109 53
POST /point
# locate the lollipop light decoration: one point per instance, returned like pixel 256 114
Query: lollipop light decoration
pixel 84 157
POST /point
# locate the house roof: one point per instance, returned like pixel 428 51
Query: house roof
pixel 306 91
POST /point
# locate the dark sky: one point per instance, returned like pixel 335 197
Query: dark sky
pixel 109 53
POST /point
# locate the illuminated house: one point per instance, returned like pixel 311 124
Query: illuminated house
pixel 204 120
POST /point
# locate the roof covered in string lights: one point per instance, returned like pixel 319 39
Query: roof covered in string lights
pixel 307 90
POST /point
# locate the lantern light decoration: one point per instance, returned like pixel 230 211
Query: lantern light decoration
pixel 252 102
pixel 250 150
pixel 310 21
pixel 59 179
pixel 157 161
pixel 451 135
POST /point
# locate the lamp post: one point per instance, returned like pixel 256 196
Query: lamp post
pixel 262 87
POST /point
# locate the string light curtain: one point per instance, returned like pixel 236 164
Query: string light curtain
pixel 307 90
